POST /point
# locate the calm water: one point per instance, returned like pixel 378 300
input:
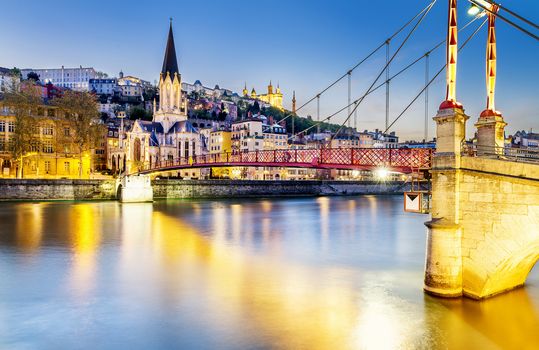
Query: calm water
pixel 310 273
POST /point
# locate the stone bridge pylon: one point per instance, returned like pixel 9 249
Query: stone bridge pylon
pixel 483 238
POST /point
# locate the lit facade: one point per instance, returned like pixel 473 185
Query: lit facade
pixel 53 153
pixel 247 136
pixel 77 79
pixel 274 98
pixel 220 141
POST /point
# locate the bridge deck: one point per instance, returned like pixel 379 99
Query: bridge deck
pixel 398 160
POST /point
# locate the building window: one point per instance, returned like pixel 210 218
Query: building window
pixel 2 126
pixel 66 167
pixel 67 131
pixel 47 166
pixel 47 130
pixel 11 127
pixel 47 147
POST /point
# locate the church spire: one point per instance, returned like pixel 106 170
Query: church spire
pixel 170 63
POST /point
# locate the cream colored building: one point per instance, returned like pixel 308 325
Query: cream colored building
pixel 247 136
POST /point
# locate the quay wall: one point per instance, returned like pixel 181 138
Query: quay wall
pixel 41 189
pixel 34 189
pixel 247 188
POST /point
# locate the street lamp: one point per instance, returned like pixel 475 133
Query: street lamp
pixel 474 10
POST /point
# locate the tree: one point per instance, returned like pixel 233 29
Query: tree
pixel 255 108
pixel 23 100
pixel 81 112
pixel 33 76
pixel 139 113
pixel 149 93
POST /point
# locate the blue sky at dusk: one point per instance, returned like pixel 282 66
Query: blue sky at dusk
pixel 302 45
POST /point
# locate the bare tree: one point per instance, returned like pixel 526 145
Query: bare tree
pixel 81 112
pixel 23 101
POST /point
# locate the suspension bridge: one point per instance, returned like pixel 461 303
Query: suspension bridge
pixel 397 160
pixel 483 235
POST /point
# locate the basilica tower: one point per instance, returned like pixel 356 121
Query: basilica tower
pixel 172 105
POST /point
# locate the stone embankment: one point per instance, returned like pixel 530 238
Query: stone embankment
pixel 33 189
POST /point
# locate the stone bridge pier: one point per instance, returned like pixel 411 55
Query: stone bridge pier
pixel 483 238
pixel 134 189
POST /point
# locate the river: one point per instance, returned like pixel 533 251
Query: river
pixel 294 273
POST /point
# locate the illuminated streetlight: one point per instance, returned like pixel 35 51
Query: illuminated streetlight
pixel 381 174
pixel 474 10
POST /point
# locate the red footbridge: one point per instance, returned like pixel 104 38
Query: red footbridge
pixel 401 160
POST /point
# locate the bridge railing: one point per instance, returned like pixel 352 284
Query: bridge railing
pixel 326 157
pixel 529 155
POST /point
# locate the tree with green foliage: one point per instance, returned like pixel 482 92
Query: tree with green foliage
pixel 32 76
pixel 139 113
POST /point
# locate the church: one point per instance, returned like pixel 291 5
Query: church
pixel 169 135
pixel 274 98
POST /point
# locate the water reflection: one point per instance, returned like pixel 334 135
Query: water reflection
pixel 323 273
pixel 29 226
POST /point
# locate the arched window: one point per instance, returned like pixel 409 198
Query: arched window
pixel 136 150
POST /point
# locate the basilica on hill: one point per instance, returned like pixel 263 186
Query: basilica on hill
pixel 169 135
pixel 274 98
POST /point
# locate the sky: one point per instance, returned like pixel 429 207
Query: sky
pixel 302 45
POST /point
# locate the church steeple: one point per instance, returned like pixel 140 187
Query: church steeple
pixel 170 63
pixel 172 103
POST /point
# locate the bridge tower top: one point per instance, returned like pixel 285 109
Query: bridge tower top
pixel 451 59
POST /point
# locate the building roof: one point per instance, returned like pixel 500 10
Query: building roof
pixel 170 63
pixel 153 139
pixel 183 126
pixel 151 126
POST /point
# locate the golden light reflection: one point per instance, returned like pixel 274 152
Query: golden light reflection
pixel 29 226
pixel 509 321
pixel 279 299
pixel 85 230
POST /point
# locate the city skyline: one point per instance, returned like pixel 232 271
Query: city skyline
pixel 216 50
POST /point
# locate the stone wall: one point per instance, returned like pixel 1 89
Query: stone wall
pixel 236 188
pixel 484 236
pixel 31 189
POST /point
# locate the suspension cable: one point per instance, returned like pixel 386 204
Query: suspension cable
pixel 434 78
pixel 513 13
pixel 386 65
pixel 437 46
pixel 505 19
pixel 361 61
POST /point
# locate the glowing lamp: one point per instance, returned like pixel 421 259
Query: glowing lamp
pixel 474 10
pixel 382 173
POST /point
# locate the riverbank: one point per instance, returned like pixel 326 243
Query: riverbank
pixel 39 190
